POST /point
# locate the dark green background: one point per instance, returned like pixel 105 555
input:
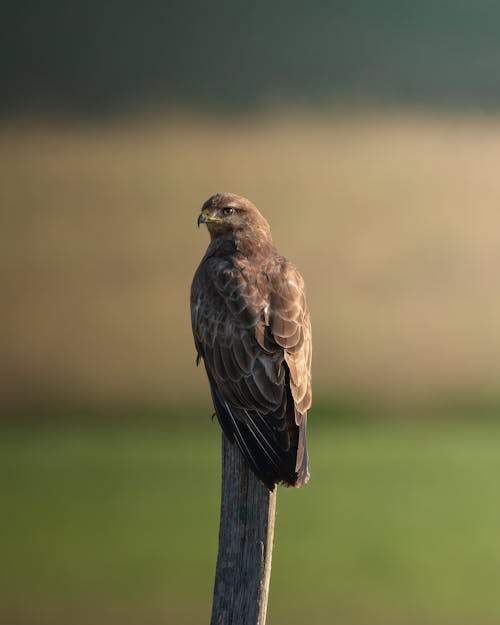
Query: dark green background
pixel 96 57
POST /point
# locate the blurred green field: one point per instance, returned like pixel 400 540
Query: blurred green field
pixel 117 523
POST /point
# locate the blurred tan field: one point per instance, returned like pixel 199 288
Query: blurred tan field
pixel 393 219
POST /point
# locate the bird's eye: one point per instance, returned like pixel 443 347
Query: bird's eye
pixel 228 210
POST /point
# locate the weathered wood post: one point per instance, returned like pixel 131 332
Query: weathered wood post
pixel 245 544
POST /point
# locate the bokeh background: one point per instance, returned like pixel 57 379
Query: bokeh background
pixel 369 136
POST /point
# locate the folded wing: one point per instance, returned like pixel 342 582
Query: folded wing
pixel 252 330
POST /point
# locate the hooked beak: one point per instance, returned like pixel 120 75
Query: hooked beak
pixel 205 217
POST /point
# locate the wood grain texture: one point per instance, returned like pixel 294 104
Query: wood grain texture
pixel 245 544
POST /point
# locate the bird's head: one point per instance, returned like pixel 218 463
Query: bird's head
pixel 227 213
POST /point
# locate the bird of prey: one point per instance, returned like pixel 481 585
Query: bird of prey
pixel 252 329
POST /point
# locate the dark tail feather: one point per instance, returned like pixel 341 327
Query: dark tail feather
pixel 261 444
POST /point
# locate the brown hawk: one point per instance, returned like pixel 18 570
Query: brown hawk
pixel 251 327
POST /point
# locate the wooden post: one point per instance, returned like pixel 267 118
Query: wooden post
pixel 245 544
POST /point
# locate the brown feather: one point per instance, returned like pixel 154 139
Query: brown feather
pixel 252 329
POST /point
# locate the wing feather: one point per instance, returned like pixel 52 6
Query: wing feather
pixel 251 328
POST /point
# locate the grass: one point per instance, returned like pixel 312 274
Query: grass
pixel 118 523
